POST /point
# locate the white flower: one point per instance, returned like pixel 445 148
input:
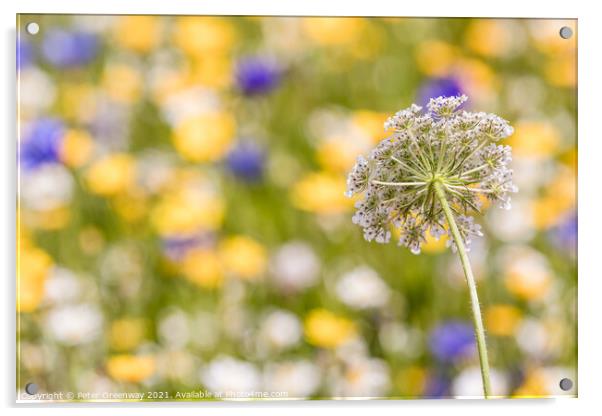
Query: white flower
pixel 227 375
pixel 362 378
pixel 189 103
pixel 174 329
pixel 48 187
pixel 295 266
pixel 281 329
pixel 362 288
pixel 62 286
pixel 299 379
pixel 468 384
pixel 444 107
pixel 468 229
pixel 37 91
pixel 443 151
pixel 358 179
pixel 74 324
pixel 398 339
pixel 154 171
pixel 515 225
pixel 533 338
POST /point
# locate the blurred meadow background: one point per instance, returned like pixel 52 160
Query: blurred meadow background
pixel 182 224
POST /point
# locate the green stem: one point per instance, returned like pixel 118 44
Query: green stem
pixel 399 183
pixel 477 320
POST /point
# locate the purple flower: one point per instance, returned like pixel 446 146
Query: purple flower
pixel 438 87
pixel 175 247
pixel 436 386
pixel 41 143
pixel 564 235
pixel 246 161
pixel 25 53
pixel 452 341
pixel 257 75
pixel 68 49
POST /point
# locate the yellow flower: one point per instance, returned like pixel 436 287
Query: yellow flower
pixel 213 71
pixel 527 279
pixel 570 159
pixel 50 219
pixel 189 208
pixel 131 206
pixel 321 193
pixel 533 386
pixel 561 71
pixel 371 123
pixel 122 83
pixel 33 267
pixel 205 137
pixel 204 36
pixel 411 381
pixel 559 198
pixel 434 246
pixel 476 76
pixel 488 37
pixel 547 211
pixel 202 267
pixel 138 33
pixel 327 330
pixel 243 257
pixel 111 175
pixel 534 139
pixel 502 320
pixel 126 334
pixel 331 31
pixel 131 368
pixel 170 83
pixel 338 154
pixel 76 148
pixel 435 57
pixel 370 44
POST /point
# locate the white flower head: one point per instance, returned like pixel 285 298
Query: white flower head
pixel 362 377
pixel 298 379
pixel 281 329
pixel 227 375
pixel 362 288
pixel 439 150
pixel 74 324
pixel 295 266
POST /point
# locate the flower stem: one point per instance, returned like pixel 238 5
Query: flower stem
pixel 477 320
pixel 399 183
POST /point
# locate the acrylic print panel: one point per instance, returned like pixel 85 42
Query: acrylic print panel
pixel 216 208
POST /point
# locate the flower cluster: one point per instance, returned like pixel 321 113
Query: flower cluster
pixel 442 148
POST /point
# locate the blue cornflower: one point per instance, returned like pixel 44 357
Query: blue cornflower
pixel 452 341
pixel 437 385
pixel 41 143
pixel 438 87
pixel 175 247
pixel 564 235
pixel 246 161
pixel 67 49
pixel 257 75
pixel 25 53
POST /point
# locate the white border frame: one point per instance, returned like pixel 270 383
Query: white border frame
pixel 590 282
